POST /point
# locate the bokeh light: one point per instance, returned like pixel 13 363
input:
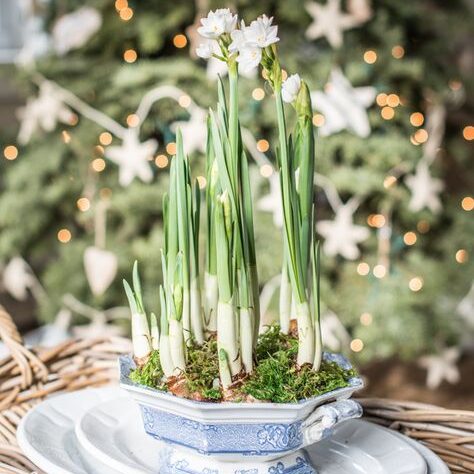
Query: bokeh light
pixel 10 152
pixel 64 236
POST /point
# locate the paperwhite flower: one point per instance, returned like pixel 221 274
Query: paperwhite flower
pixel 261 33
pixel 205 50
pixel 238 39
pixel 249 58
pixel 217 23
pixel 290 88
pixel 230 20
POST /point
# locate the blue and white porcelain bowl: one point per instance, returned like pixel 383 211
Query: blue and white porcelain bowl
pixel 236 431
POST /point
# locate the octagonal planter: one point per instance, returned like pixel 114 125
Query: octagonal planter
pixel 234 432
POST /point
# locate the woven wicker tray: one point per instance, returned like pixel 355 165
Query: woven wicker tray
pixel 28 376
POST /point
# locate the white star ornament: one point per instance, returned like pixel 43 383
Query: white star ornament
pixel 341 236
pixel 132 157
pixel 343 106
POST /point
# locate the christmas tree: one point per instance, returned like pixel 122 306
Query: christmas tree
pixel 83 181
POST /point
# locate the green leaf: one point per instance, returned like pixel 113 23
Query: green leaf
pixel 137 288
pixel 131 297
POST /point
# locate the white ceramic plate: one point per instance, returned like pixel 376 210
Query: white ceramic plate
pixel 46 433
pixel 113 433
pixel 435 464
pixel 46 436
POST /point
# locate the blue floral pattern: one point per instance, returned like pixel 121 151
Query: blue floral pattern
pixel 224 438
pixel 298 466
pixel 280 436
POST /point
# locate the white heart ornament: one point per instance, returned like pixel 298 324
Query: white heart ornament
pixel 101 268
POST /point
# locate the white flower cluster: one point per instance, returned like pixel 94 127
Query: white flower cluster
pixel 246 43
pixel 217 23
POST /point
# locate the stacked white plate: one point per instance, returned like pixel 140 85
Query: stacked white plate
pixel 99 431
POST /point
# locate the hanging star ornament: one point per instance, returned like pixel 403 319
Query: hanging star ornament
pixel 341 236
pixel 343 106
pixel 331 22
pixel 43 112
pixel 194 130
pixel 272 201
pixel 441 367
pixel 424 189
pixel 132 157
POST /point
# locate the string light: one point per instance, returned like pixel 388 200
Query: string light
pixel 184 101
pixel 161 161
pixel 389 181
pixel 398 52
pixel 98 165
pixel 366 319
pixel 357 345
pixel 467 203
pixel 415 284
pixel 121 4
pixel 381 99
pixel 133 120
pixel 66 137
pixel 266 171
pixel 318 120
pixel 126 14
pixel 414 141
pixel 421 135
pixel 83 204
pixel 201 182
pixel 284 75
pixel 73 120
pixel 171 148
pixel 417 119
pixel 363 268
pixel 258 93
pixel 387 113
pixel 180 41
pixel 105 138
pixel 263 145
pixel 370 56
pixel 130 56
pixel 379 271
pixel 99 150
pixel 462 256
pixel 468 132
pixel 393 100
pixel 376 220
pixel 10 152
pixel 64 236
pixel 423 226
pixel 410 238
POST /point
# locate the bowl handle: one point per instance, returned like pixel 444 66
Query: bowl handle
pixel 321 422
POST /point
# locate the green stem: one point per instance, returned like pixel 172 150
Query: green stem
pixel 234 118
pixel 294 262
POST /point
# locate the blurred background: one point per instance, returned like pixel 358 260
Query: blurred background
pixel 91 94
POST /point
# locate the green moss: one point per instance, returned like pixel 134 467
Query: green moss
pixel 276 377
pixel 150 374
pixel 202 369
